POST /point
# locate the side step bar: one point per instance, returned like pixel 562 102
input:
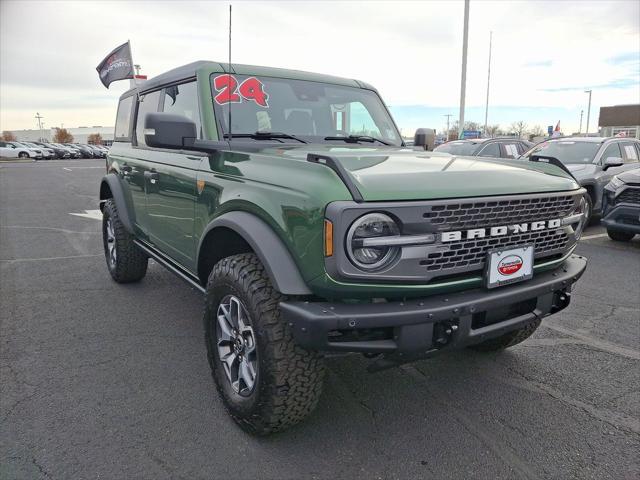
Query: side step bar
pixel 170 265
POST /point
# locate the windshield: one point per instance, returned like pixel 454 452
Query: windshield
pixel 457 148
pixel 308 110
pixel 567 151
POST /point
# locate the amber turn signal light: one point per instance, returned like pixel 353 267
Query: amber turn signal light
pixel 328 238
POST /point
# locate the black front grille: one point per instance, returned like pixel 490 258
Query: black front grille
pixel 629 195
pixel 462 215
pixel 471 254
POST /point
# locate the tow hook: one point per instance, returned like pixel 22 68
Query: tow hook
pixel 443 331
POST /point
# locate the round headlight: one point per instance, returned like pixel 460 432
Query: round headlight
pixel 363 250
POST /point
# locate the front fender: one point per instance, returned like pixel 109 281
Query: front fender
pixel 269 248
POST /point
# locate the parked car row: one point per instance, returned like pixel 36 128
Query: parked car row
pixel 48 151
pixel 593 161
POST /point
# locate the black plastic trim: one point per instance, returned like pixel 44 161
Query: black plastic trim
pixel 312 321
pixel 552 161
pixel 271 251
pixel 170 265
pixel 334 164
pixel 118 196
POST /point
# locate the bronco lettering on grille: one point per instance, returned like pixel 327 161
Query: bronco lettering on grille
pixel 499 231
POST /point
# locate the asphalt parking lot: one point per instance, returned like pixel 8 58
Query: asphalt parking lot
pixel 100 380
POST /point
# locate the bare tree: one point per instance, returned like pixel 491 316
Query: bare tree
pixel 62 136
pixel 493 130
pixel 519 128
pixel 537 131
pixel 8 136
pixel 94 139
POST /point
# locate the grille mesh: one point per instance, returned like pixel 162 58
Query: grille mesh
pixel 464 215
pixel 630 195
pixel 471 254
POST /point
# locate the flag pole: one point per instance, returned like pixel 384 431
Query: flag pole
pixel 229 74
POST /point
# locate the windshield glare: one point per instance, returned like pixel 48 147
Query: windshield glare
pixel 457 148
pixel 567 151
pixel 309 110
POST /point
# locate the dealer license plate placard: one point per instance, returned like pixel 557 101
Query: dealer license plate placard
pixel 509 265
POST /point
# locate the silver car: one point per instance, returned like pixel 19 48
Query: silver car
pixel 592 160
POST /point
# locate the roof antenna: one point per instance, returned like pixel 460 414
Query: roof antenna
pixel 229 72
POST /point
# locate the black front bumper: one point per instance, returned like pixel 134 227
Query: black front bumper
pixel 623 217
pixel 424 326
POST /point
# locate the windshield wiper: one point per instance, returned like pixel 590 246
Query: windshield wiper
pixel 265 136
pixel 358 138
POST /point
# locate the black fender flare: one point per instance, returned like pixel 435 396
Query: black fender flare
pixel 112 182
pixel 269 248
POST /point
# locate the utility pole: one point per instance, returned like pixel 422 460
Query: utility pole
pixel 586 132
pixel 486 108
pixel 580 129
pixel 463 80
pixel 448 115
pixel 39 117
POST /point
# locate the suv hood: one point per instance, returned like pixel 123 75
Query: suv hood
pixel 393 173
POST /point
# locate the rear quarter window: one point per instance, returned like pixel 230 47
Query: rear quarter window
pixel 123 120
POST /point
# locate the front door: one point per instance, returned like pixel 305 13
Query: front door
pixel 171 182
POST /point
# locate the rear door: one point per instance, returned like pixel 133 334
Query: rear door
pixel 630 154
pixel 171 181
pixel 129 166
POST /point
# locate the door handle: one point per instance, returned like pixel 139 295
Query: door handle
pixel 153 177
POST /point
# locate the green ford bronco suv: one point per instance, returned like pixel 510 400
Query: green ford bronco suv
pixel 290 200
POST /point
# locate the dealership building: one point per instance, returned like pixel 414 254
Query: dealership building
pixel 621 120
pixel 80 134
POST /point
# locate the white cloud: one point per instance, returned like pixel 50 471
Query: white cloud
pixel 409 50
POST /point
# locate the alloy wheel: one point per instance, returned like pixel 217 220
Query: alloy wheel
pixel 236 345
pixel 111 243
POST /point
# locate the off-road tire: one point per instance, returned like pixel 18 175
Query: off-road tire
pixel 131 263
pixel 289 379
pixel 508 339
pixel 620 236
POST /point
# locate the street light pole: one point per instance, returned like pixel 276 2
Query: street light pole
pixel 586 131
pixel 39 117
pixel 448 115
pixel 463 80
pixel 486 108
pixel 580 129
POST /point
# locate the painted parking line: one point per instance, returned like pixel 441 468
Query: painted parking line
pixel 79 168
pixel 93 214
pixel 599 235
pixel 42 259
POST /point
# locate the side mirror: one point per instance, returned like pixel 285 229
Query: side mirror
pixel 425 138
pixel 166 130
pixel 612 162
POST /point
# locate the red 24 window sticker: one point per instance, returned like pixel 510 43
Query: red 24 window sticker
pixel 229 92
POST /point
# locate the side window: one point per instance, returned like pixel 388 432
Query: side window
pixel 490 150
pixel 510 150
pixel 183 100
pixel 613 150
pixel 147 104
pixel 2 144
pixel 630 154
pixel 123 120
